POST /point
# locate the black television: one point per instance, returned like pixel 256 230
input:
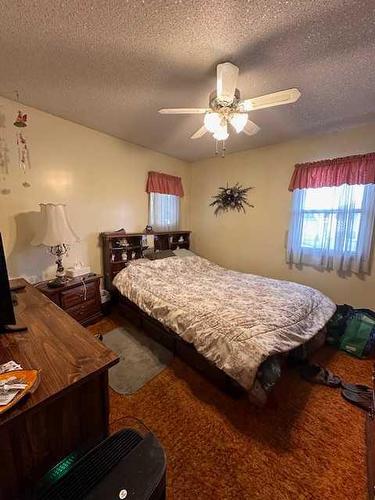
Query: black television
pixel 7 317
pixel 6 305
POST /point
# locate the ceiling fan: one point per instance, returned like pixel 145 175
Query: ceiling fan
pixel 226 108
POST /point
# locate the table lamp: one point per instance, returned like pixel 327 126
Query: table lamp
pixel 56 233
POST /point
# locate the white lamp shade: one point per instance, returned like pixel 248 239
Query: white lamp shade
pixel 55 228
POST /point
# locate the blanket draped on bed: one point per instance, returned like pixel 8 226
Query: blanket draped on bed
pixel 235 320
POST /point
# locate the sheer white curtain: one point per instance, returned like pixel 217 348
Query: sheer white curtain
pixel 164 212
pixel 332 227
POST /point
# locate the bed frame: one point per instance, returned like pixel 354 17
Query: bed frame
pixel 178 346
pixel 165 336
pixel 162 241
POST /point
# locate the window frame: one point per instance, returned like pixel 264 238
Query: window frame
pixel 151 213
pixel 335 211
pixel 360 211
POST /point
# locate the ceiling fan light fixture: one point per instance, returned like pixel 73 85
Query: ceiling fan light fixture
pixel 238 121
pixel 212 121
pixel 225 106
pixel 221 133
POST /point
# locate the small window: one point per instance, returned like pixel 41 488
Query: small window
pixel 164 211
pixel 332 226
pixel 321 212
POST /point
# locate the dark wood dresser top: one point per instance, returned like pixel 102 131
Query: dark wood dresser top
pixel 73 282
pixel 65 352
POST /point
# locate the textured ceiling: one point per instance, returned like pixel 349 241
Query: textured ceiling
pixel 111 64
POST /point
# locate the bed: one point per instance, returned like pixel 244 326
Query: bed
pixel 236 322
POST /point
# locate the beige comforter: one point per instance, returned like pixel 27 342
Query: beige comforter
pixel 235 320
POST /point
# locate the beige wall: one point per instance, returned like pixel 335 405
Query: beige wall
pixel 102 181
pixel 100 178
pixel 255 242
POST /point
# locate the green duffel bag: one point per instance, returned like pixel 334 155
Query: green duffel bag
pixel 359 336
pixel 337 324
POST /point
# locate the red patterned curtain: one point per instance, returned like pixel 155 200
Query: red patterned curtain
pixel 359 169
pixel 164 183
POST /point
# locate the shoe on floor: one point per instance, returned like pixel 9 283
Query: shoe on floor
pixel 318 375
pixel 363 401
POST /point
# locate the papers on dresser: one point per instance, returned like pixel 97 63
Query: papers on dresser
pixel 10 387
pixel 10 367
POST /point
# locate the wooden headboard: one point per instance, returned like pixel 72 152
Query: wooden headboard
pixel 120 247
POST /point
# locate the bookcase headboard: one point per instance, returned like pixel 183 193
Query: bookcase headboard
pixel 120 248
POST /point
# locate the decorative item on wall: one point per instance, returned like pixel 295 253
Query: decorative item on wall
pixel 20 120
pixel 4 158
pixel 231 198
pixel 22 147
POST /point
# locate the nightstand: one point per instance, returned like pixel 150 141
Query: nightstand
pixel 79 297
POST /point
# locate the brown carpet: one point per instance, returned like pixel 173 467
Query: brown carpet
pixel 308 444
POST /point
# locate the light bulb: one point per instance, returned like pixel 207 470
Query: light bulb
pixel 221 133
pixel 212 121
pixel 238 120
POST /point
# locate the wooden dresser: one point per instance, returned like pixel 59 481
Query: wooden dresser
pixel 79 297
pixel 68 410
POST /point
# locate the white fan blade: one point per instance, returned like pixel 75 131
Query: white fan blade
pixel 199 133
pixel 226 81
pixel 269 100
pixel 183 111
pixel 250 128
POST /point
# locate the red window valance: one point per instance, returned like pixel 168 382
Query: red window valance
pixel 164 183
pixel 358 169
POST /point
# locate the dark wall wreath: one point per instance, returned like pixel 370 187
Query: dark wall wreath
pixel 231 198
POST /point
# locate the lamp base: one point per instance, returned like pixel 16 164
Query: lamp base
pixel 57 282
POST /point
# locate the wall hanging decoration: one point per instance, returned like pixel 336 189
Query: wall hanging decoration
pixel 4 158
pixel 23 150
pixel 22 146
pixel 231 198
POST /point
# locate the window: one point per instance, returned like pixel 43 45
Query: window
pixel 164 211
pixel 321 212
pixel 331 227
pixel 165 192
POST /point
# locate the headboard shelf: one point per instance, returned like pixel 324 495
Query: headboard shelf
pixel 120 248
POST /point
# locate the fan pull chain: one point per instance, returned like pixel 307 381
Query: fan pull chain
pixel 223 149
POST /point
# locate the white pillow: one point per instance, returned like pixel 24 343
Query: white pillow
pixel 183 252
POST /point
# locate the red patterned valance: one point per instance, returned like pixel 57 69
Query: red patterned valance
pixel 164 183
pixel 358 169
